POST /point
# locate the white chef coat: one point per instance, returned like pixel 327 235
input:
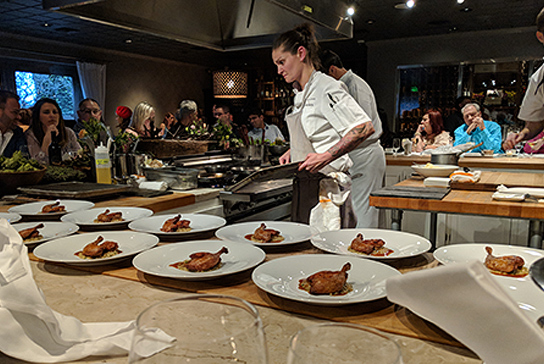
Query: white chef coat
pixel 368 158
pixel 328 113
pixel 362 93
pixel 271 132
pixel 532 107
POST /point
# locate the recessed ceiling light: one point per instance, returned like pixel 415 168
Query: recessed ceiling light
pixel 128 41
pixel 370 21
pixel 410 4
pixel 46 24
pixel 350 11
pixel 460 1
pixel 466 10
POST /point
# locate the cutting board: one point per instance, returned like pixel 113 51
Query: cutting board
pixel 490 180
pixel 426 193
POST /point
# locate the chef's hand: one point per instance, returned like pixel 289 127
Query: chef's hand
pixel 512 139
pixel 286 157
pixel 315 162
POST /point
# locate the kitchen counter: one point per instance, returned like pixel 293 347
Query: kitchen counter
pixel 500 161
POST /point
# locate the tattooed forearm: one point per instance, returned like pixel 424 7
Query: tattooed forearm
pixel 352 139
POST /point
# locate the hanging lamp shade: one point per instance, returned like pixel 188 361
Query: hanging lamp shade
pixel 230 84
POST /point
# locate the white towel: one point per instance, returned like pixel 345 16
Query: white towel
pixel 333 193
pixel 31 330
pixel 466 302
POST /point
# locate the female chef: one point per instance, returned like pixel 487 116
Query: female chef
pixel 325 122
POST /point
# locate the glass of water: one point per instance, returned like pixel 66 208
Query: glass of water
pixel 396 146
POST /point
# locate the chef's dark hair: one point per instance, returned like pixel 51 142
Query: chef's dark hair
pixel 37 125
pixel 540 21
pixel 329 58
pixel 302 35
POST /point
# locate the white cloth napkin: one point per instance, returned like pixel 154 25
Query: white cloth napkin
pixel 333 193
pixel 31 330
pixel 536 192
pixel 466 177
pixel 466 302
pixel 153 185
pixel 443 182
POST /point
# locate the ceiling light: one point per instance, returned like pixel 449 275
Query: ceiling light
pixel 350 11
pixel 410 4
pixel 370 21
pixel 46 24
pixel 460 1
pixel 128 41
pixel 230 84
pixel 466 10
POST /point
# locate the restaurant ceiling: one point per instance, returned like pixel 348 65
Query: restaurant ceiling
pixel 373 20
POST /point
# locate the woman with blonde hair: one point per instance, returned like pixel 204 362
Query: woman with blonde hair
pixel 143 121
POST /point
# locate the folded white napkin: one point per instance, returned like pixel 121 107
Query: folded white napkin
pixel 466 302
pixel 31 330
pixel 466 177
pixel 536 192
pixel 153 185
pixel 443 182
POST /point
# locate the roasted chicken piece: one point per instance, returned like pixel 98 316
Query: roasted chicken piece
pixel 54 207
pixel 172 225
pixel 31 232
pixel 95 249
pixel 366 246
pixel 326 282
pixel 202 261
pixel 264 234
pixel 106 216
pixel 505 264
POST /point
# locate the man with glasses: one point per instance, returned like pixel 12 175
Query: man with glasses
pixel 262 131
pixel 12 137
pixel 89 108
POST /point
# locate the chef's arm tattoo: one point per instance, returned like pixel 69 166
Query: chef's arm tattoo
pixel 352 139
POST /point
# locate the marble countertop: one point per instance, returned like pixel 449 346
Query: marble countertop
pixel 93 297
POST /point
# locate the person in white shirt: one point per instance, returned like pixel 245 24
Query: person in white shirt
pixel 368 171
pixel 12 137
pixel 325 123
pixel 532 107
pixel 262 131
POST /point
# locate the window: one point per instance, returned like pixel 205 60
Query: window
pixel 33 86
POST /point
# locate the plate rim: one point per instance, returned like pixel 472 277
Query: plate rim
pixel 425 240
pixel 197 278
pixel 176 234
pixel 283 243
pixel 14 208
pixel 105 224
pixel 310 300
pixel 89 261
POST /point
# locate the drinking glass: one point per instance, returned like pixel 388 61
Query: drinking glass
pixel 339 343
pixel 199 329
pixel 396 146
pixel 518 147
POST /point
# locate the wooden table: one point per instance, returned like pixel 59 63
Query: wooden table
pixel 466 202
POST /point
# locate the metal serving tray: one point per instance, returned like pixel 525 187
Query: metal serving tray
pixel 75 190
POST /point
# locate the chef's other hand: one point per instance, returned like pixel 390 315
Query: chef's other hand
pixel 286 157
pixel 512 139
pixel 314 162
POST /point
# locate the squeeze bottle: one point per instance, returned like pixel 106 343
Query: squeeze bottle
pixel 103 164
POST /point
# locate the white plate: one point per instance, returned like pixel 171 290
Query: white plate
pixel 50 230
pixel 281 276
pixel 438 170
pixel 35 208
pixel 10 216
pixel 529 297
pixel 157 261
pixel 87 217
pixel 62 250
pixel 293 232
pixel 199 223
pixel 403 244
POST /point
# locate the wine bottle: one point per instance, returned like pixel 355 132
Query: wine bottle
pixel 55 153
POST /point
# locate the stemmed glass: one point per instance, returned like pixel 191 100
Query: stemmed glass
pixel 518 147
pixel 396 146
pixel 339 343
pixel 199 329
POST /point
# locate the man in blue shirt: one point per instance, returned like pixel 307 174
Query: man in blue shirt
pixel 477 130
